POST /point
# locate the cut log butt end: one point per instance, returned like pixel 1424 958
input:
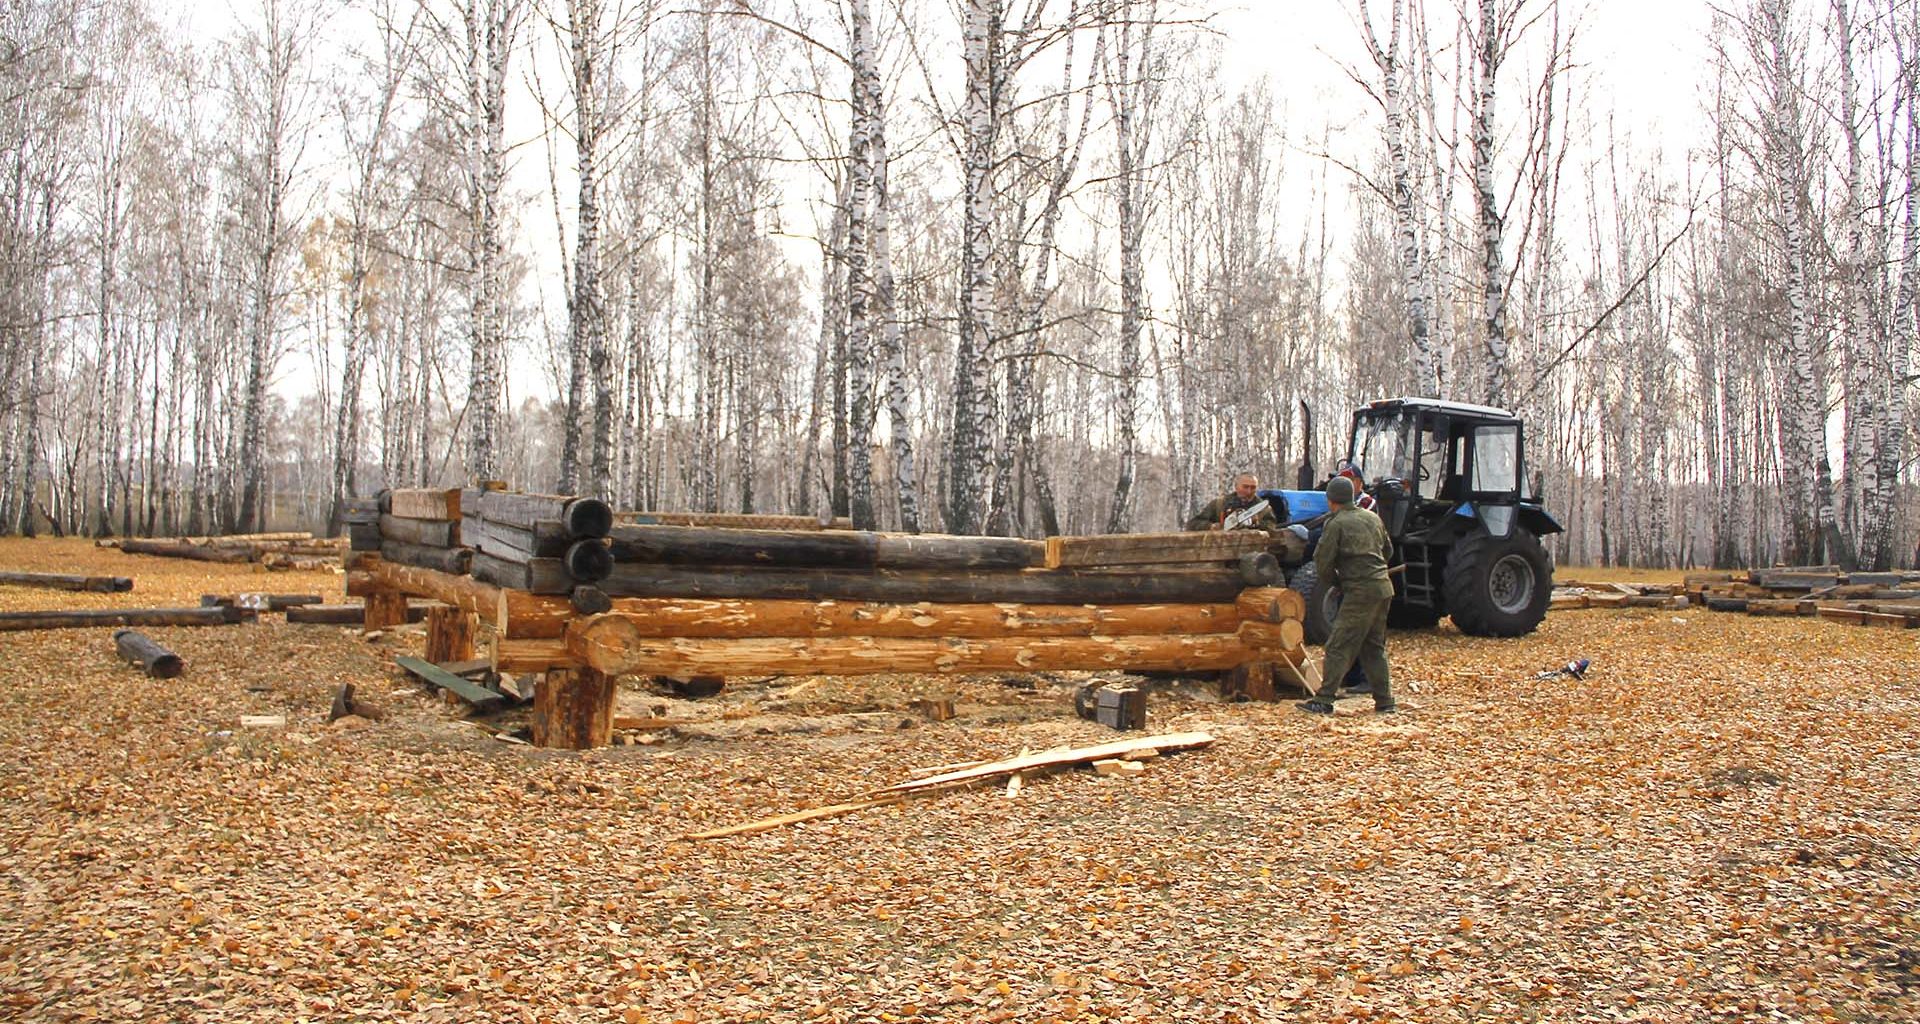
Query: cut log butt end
pixel 153 659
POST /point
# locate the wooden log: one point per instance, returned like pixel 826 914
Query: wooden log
pixel 423 503
pixel 544 539
pixel 535 575
pixel 384 610
pixel 1276 637
pixel 153 659
pixel 701 618
pixel 708 546
pixel 454 561
pixel 1254 680
pixel 611 644
pixel 736 521
pixel 589 600
pixel 1271 604
pixel 363 536
pixel 1036 586
pixel 432 533
pixel 64 581
pixel 197 552
pixel 360 510
pixel 1260 569
pixel 511 656
pixel 450 634
pixel 573 709
pixel 463 592
pixel 82 619
pixel 343 614
pixel 582 517
pixel 259 602
pixel 1153 548
pixel 589 561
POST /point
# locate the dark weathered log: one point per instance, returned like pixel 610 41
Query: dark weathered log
pixel 1260 569
pixel 360 510
pixel 197 552
pixel 17 621
pixel 62 581
pixel 343 614
pixel 424 503
pixel 535 575
pixel 433 534
pixel 590 601
pixel 547 538
pixel 573 709
pixel 582 517
pixel 589 561
pixel 364 536
pixel 1036 586
pixel 259 602
pixel 1154 548
pixel 707 546
pixel 448 560
pixel 153 659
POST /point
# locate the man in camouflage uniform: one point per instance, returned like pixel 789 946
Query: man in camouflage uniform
pixel 1245 494
pixel 1353 555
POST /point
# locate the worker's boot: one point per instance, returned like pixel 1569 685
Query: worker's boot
pixel 1315 707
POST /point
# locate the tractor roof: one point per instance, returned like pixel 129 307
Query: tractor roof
pixel 1461 409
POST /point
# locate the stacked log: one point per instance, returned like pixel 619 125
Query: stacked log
pixel 272 550
pixel 1884 599
pixel 540 543
pixel 421 527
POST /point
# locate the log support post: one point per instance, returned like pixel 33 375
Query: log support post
pixel 573 709
pixel 385 609
pixel 1251 681
pixel 450 634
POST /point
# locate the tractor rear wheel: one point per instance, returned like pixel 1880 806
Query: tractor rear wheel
pixel 1323 602
pixel 1498 586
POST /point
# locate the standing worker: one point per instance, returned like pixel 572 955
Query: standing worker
pixel 1245 494
pixel 1353 555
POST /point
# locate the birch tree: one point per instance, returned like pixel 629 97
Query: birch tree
pixel 971 435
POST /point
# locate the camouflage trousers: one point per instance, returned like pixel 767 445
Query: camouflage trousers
pixel 1359 637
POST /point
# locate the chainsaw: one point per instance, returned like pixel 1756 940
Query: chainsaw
pixel 1240 519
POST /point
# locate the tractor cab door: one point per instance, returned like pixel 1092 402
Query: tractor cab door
pixel 1495 475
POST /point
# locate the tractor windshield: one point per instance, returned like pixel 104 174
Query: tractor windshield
pixel 1381 448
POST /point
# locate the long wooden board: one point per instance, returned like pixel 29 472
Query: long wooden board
pixel 1154 548
pixel 478 696
pixel 1164 743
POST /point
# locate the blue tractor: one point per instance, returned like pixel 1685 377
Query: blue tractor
pixel 1448 480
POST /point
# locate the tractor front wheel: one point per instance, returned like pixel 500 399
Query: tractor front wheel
pixel 1323 602
pixel 1498 586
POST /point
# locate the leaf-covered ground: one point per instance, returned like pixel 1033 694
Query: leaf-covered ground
pixel 1720 822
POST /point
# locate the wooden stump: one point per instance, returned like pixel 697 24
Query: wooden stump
pixel 385 610
pixel 573 709
pixel 450 635
pixel 1251 681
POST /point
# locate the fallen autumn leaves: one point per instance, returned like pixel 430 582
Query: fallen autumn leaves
pixel 1721 821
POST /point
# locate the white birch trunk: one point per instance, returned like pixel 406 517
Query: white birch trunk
pixel 970 439
pixel 1494 390
pixel 860 326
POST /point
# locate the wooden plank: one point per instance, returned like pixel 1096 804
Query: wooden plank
pixel 794 818
pixel 1029 586
pixel 612 644
pixel 432 533
pixel 478 696
pixel 1152 548
pixel 424 503
pixel 1164 743
pixel 64 581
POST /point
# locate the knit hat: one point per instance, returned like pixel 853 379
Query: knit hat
pixel 1340 491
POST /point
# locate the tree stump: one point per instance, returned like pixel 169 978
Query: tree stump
pixel 450 635
pixel 1251 681
pixel 573 709
pixel 385 610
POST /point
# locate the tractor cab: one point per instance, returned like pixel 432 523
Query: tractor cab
pixel 1448 480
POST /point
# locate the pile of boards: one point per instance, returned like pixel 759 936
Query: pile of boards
pixel 271 550
pixel 1886 599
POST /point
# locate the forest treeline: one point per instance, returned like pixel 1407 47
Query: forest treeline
pixel 1004 266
